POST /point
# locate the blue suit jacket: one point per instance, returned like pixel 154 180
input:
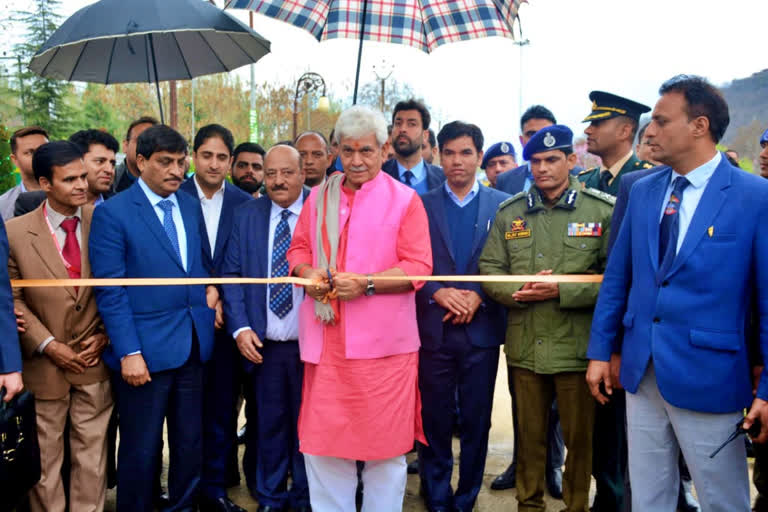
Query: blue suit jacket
pixel 512 182
pixel 233 199
pixel 10 353
pixel 128 240
pixel 246 256
pixel 487 326
pixel 435 174
pixel 694 322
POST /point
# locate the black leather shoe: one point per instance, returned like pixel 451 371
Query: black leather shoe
pixel 162 500
pixel 270 508
pixel 506 480
pixel 222 504
pixel 555 483
pixel 413 467
pixel 685 500
pixel 241 435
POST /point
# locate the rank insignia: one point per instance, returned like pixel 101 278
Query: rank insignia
pixel 518 229
pixel 570 199
pixel 585 229
pixel 530 200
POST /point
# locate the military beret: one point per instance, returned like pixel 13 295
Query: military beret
pixel 764 137
pixel 498 149
pixel 606 105
pixel 552 137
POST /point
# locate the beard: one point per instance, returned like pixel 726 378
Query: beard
pixel 249 186
pixel 406 149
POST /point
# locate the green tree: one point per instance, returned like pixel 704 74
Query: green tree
pixel 393 92
pixel 7 177
pixel 47 103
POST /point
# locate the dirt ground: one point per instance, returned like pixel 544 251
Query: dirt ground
pixel 499 452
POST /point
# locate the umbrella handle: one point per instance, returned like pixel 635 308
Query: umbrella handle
pixel 157 79
pixel 360 50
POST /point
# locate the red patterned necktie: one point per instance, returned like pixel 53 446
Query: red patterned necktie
pixel 71 250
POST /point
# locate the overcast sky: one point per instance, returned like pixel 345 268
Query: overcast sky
pixel 628 47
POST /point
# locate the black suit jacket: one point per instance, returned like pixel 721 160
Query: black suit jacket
pixel 512 182
pixel 435 174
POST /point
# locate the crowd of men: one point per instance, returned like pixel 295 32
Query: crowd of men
pixel 366 359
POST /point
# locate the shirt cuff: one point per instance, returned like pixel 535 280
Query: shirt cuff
pixel 130 354
pixel 246 328
pixel 45 343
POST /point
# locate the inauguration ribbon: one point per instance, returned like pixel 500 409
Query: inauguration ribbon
pixel 190 281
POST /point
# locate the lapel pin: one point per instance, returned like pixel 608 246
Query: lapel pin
pixel 711 231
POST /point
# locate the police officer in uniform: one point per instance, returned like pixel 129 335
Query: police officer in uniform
pixel 498 159
pixel 557 227
pixel 613 124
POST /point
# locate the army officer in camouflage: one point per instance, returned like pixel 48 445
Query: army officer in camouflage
pixel 554 228
pixel 613 124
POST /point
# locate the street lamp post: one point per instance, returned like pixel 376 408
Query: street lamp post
pixel 307 83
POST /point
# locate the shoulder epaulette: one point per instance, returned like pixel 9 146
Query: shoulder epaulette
pixel 587 171
pixel 512 199
pixel 608 198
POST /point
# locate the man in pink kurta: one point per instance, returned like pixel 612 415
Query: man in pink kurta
pixel 360 397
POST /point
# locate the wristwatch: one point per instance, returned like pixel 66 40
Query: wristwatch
pixel 370 289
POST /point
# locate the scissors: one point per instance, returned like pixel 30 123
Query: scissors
pixel 753 431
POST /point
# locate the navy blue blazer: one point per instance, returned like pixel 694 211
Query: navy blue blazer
pixel 435 174
pixel 513 181
pixel 10 351
pixel 233 199
pixel 246 256
pixel 488 325
pixel 625 185
pixel 128 240
pixel 692 322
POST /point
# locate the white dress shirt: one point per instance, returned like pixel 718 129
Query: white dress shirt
pixel 698 178
pixel 181 234
pixel 211 211
pixel 461 203
pixel 281 329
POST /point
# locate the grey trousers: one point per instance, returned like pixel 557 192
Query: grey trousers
pixel 657 430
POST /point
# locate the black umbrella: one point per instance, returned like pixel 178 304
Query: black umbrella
pixel 119 41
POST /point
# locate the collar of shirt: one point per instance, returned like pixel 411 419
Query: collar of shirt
pixel 461 203
pixel 295 208
pixel 700 176
pixel 56 218
pixel 22 188
pixel 201 195
pixel 154 198
pixel 99 200
pixel 615 168
pixel 419 171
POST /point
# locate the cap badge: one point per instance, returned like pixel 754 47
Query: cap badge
pixel 504 147
pixel 549 140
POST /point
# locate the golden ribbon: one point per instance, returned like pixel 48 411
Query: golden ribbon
pixel 185 281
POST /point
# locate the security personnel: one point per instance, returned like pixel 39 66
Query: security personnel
pixel 555 228
pixel 613 124
pixel 499 158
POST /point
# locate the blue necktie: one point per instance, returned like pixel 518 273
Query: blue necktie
pixel 280 295
pixel 408 177
pixel 170 227
pixel 669 229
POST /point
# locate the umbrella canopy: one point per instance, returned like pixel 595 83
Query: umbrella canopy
pixel 118 41
pixel 112 41
pixel 423 24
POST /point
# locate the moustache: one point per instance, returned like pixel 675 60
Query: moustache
pixel 276 188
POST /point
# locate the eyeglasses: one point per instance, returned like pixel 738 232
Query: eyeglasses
pixel 285 173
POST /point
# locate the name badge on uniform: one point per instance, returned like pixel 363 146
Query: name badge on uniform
pixel 518 229
pixel 585 229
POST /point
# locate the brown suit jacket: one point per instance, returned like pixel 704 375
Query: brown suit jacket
pixel 67 315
